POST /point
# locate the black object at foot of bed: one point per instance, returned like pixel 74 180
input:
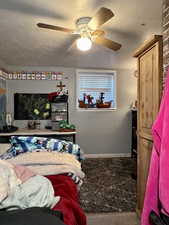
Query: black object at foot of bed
pixel 31 216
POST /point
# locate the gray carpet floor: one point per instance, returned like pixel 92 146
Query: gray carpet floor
pixel 108 185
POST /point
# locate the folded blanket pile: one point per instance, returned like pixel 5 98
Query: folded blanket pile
pixel 8 179
pixel 59 162
pixel 21 188
pixel 46 163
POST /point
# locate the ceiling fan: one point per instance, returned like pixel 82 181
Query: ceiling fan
pixel 87 30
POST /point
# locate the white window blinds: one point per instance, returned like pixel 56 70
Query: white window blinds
pixel 94 83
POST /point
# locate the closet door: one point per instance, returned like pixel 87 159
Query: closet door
pixel 149 92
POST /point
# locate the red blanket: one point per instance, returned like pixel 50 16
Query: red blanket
pixel 69 205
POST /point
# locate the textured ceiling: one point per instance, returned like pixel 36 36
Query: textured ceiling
pixel 22 43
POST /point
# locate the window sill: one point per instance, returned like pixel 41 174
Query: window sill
pixel 96 109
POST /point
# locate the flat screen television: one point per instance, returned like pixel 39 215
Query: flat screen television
pixel 31 106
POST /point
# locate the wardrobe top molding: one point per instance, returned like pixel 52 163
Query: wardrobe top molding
pixel 147 44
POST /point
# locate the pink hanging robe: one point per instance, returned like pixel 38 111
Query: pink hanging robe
pixel 157 189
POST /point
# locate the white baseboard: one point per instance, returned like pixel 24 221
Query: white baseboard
pixel 108 155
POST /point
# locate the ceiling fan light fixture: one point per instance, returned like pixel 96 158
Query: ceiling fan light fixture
pixel 87 29
pixel 84 43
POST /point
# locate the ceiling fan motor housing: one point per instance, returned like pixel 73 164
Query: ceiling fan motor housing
pixel 82 26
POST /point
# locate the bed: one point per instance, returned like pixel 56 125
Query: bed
pixel 45 163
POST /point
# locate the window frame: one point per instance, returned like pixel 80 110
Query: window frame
pixel 114 74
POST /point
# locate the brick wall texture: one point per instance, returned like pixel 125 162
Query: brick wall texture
pixel 165 24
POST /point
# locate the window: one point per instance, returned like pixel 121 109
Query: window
pixel 96 89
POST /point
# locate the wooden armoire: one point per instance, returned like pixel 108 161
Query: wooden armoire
pixel 149 57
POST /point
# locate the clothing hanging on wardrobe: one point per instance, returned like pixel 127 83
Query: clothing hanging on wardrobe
pixel 157 189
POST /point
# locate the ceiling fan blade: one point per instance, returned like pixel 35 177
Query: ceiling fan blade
pixel 107 43
pixel 101 17
pixel 52 27
pixel 71 47
pixel 98 33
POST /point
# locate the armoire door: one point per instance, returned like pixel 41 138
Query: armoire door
pixel 149 93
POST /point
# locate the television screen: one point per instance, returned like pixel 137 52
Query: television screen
pixel 32 106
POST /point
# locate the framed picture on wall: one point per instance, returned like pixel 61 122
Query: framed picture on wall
pixel 31 106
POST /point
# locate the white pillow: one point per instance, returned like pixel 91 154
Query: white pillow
pixel 4 148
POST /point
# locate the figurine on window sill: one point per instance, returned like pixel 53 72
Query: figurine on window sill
pixel 89 100
pixel 101 104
